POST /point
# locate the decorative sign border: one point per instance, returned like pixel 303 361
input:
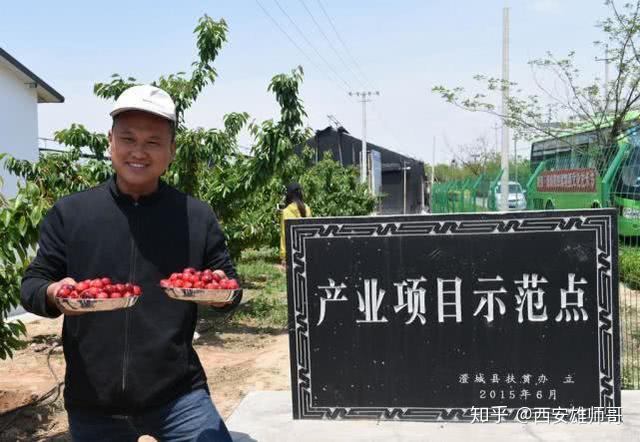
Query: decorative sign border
pixel 602 222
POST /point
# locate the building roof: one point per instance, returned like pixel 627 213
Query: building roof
pixel 370 145
pixel 45 93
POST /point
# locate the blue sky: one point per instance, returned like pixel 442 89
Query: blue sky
pixel 404 48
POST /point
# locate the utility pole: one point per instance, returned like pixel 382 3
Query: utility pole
pixel 433 164
pixel 515 157
pixel 337 124
pixel 404 190
pixel 484 157
pixel 365 97
pixel 504 191
pixel 606 70
pixel 495 144
pixel 606 60
pixel 433 175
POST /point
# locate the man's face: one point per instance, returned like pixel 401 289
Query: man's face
pixel 141 148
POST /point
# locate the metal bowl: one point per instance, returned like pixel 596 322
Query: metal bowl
pixel 96 305
pixel 205 295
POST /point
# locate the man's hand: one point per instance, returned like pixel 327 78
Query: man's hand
pixel 51 294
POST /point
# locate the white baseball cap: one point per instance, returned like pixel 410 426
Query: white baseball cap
pixel 146 98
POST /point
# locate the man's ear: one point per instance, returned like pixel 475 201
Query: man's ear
pixel 110 138
pixel 173 150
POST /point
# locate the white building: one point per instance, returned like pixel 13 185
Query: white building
pixel 20 92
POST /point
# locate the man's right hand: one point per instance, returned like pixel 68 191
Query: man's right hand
pixel 51 294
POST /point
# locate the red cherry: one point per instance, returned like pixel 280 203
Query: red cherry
pixel 102 295
pixel 81 287
pixel 128 287
pixel 211 286
pixel 74 295
pixel 187 285
pixel 119 288
pixel 105 281
pixel 175 276
pixel 178 283
pixel 207 278
pixel 220 272
pixel 189 270
pixel 96 283
pixel 165 283
pixel 116 295
pixel 137 291
pixel 233 284
pixel 207 272
pixel 93 291
pixel 63 293
pixel 199 285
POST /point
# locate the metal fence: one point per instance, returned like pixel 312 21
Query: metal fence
pixel 479 195
pixel 469 195
pixel 629 292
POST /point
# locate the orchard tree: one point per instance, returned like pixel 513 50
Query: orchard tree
pixel 240 188
pixel 563 95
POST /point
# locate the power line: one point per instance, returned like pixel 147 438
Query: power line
pixel 318 67
pixel 362 78
pixel 331 45
pixel 286 34
pixel 375 111
pixel 365 97
pixel 343 43
pixel 334 121
pixel 295 25
pixel 392 133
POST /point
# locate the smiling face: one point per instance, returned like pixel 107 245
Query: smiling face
pixel 141 146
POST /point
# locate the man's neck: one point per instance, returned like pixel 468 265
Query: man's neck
pixel 136 192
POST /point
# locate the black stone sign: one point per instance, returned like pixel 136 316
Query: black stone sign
pixel 430 317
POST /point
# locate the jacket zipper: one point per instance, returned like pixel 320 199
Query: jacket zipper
pixel 132 274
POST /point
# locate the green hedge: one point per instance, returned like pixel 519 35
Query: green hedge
pixel 629 262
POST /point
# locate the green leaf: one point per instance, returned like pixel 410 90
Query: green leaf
pixel 22 225
pixel 5 217
pixel 35 216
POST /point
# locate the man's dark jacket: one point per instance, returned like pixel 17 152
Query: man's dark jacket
pixel 130 360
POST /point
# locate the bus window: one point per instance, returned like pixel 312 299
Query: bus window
pixel 629 183
pixel 580 159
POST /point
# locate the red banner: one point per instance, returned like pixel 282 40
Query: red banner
pixel 567 180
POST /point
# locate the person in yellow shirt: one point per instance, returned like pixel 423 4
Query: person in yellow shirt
pixel 294 208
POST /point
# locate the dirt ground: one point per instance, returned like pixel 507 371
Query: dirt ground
pixel 237 360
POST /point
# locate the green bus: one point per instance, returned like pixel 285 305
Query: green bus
pixel 575 170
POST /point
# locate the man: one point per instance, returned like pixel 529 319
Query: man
pixel 132 371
